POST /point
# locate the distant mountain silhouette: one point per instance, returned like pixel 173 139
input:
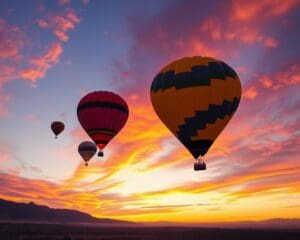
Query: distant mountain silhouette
pixel 31 212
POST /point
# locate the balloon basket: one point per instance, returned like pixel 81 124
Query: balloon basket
pixel 199 165
pixel 100 154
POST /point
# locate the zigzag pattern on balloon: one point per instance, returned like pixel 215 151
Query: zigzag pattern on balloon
pixel 203 117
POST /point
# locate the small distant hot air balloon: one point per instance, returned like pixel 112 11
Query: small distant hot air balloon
pixel 57 127
pixel 195 97
pixel 87 150
pixel 102 115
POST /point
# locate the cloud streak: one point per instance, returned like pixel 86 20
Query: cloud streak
pixel 60 23
pixel 19 61
pixel 41 64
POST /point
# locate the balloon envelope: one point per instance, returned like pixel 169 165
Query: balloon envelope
pixel 102 114
pixel 195 97
pixel 57 127
pixel 87 150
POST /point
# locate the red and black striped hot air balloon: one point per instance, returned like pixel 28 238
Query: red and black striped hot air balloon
pixel 102 114
pixel 57 127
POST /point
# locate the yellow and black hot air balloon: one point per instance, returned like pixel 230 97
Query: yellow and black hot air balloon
pixel 195 97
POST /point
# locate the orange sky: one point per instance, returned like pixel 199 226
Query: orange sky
pixel 147 176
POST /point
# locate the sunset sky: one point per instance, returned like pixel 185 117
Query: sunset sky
pixel 54 52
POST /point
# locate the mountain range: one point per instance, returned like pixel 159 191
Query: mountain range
pixel 30 212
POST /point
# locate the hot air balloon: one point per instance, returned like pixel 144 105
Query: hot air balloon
pixel 57 127
pixel 87 150
pixel 195 97
pixel 102 114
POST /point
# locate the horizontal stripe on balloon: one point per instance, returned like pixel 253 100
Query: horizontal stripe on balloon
pixel 88 153
pixel 200 75
pixel 101 142
pixel 87 148
pixel 101 104
pixel 58 127
pixel 102 131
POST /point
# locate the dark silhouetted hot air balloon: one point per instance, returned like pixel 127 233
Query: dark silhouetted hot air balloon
pixel 102 114
pixel 195 97
pixel 87 150
pixel 57 127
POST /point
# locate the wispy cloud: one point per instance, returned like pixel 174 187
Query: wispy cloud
pixel 11 41
pixel 19 61
pixel 250 93
pixel 290 76
pixel 41 64
pixel 247 11
pixel 60 23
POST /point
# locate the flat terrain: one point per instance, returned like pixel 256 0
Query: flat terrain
pixel 28 231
